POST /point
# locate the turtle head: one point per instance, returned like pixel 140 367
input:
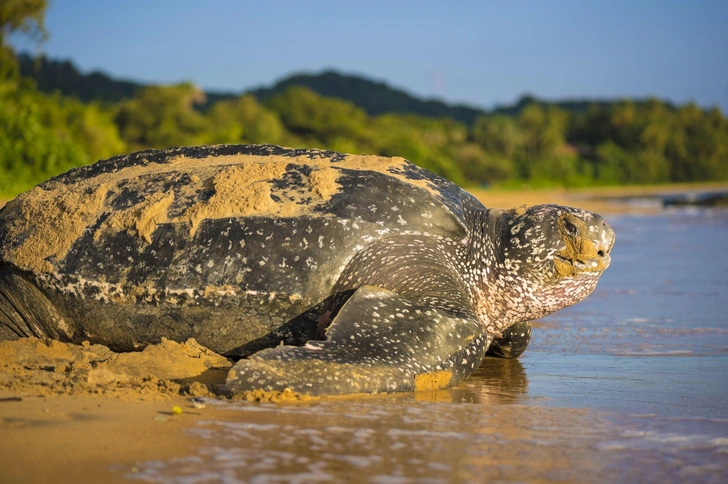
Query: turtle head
pixel 550 257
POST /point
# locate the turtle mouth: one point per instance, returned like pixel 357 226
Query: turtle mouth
pixel 566 266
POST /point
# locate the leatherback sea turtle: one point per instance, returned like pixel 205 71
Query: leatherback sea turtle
pixel 331 273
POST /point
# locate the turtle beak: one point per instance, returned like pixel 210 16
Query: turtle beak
pixel 588 240
pixel 604 238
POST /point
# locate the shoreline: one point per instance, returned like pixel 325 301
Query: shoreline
pixel 612 200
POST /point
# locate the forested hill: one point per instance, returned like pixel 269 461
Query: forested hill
pixel 373 97
pixel 578 143
pixel 53 75
pixel 56 75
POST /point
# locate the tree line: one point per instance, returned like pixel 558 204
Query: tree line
pixel 626 142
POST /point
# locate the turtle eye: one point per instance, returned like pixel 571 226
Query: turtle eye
pixel 570 228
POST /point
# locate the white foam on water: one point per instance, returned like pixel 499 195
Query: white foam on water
pixel 664 442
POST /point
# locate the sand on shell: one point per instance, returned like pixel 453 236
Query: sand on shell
pixel 49 218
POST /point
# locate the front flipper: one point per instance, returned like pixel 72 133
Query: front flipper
pixel 379 342
pixel 513 341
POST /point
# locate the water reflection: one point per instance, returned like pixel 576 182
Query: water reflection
pixel 390 439
pixel 479 431
pixel 497 381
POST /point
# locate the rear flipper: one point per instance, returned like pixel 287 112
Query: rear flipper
pixel 513 341
pixel 26 311
pixel 379 342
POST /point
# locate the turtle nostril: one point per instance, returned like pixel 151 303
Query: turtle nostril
pixel 600 253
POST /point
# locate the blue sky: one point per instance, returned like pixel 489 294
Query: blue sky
pixel 481 52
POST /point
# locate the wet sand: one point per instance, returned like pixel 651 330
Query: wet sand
pixel 109 433
pixel 71 411
pixel 76 438
pixel 93 422
pixel 625 386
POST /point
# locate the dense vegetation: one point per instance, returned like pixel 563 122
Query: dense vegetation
pixel 87 118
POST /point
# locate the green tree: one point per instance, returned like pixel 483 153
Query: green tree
pixel 91 126
pixel 31 150
pixel 615 165
pixel 544 129
pixel 698 146
pixel 499 135
pixel 162 116
pixel 424 141
pixel 244 120
pixel 480 167
pixel 319 120
pixel 19 16
pixel 42 135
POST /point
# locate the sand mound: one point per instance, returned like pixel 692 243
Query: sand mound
pixel 35 368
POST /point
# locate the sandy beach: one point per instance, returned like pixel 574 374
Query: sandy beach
pixel 86 414
pixel 61 421
pixel 75 438
pixel 71 410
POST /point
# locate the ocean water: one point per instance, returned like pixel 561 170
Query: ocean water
pixel 630 385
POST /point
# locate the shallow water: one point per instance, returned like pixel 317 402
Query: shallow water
pixel 630 385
